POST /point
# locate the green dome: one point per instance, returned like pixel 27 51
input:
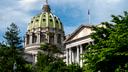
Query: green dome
pixel 45 20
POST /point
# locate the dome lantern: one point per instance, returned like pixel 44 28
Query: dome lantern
pixel 46 7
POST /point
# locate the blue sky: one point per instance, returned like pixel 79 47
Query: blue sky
pixel 72 13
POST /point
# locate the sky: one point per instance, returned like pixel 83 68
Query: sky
pixel 72 13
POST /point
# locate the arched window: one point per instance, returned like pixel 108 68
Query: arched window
pixel 34 38
pixel 51 38
pixel 27 38
pixel 59 38
pixel 42 37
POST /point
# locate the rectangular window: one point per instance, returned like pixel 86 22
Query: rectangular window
pixel 59 38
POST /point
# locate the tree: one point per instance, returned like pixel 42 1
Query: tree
pixel 48 60
pixel 11 58
pixel 110 51
pixel 5 65
pixel 74 68
pixel 12 38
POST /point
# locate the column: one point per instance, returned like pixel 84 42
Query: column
pixel 38 38
pixel 35 58
pixel 48 38
pixel 70 56
pixel 55 39
pixel 81 56
pixel 25 40
pixel 78 54
pixel 30 40
pixel 62 43
pixel 93 43
pixel 67 56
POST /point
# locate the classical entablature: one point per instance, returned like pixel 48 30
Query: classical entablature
pixel 75 44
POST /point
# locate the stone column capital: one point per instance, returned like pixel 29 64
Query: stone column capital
pixel 31 33
pixel 38 32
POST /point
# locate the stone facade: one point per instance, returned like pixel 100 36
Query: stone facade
pixel 43 28
pixel 76 44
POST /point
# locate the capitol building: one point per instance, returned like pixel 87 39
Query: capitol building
pixel 48 28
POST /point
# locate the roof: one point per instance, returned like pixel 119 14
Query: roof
pixel 77 30
pixel 45 19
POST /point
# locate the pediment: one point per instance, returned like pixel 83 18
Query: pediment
pixel 82 31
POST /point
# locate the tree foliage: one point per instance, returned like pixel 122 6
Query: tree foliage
pixel 74 68
pixel 12 38
pixel 11 58
pixel 50 61
pixel 110 51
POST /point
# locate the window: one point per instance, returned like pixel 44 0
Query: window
pixel 56 21
pixel 44 15
pixel 34 38
pixel 59 38
pixel 42 37
pixel 51 39
pixel 28 37
pixel 37 20
pixel 50 20
pixel 43 20
pixel 31 21
pixel 50 16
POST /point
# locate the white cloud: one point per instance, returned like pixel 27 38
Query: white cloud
pixel 19 11
pixel 28 5
pixel 113 1
pixel 14 13
pixel 11 15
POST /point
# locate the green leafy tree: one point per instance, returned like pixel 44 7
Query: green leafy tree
pixel 48 60
pixel 110 51
pixel 11 58
pixel 74 68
